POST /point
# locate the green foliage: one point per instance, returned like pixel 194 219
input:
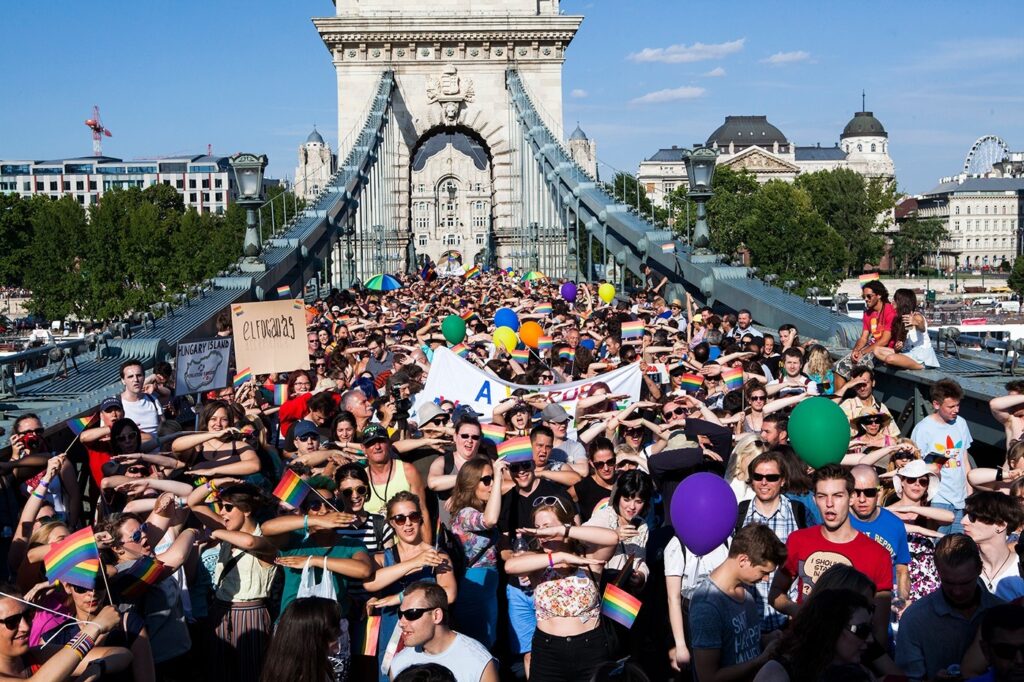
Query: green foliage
pixel 625 190
pixel 727 209
pixel 1016 279
pixel 916 239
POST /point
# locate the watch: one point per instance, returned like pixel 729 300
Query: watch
pixel 568 526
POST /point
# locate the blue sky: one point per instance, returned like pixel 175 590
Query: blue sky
pixel 641 74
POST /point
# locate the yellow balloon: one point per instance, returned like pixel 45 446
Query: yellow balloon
pixel 505 338
pixel 606 292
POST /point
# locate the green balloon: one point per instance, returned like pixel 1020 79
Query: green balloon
pixel 819 432
pixel 453 328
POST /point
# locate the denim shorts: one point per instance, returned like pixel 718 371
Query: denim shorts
pixel 522 618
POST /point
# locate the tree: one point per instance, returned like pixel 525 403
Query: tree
pixel 1016 279
pixel 53 257
pixel 727 208
pixel 916 239
pixel 625 190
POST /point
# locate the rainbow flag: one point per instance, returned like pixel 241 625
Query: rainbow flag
pixel 493 432
pixel 668 248
pixel 371 636
pixel 280 393
pixel 516 450
pixel 692 383
pixel 242 378
pixel 733 378
pixel 460 349
pixel 284 291
pixel 634 329
pixel 74 560
pixel 468 315
pixel 140 576
pixel 79 424
pixel 868 277
pixel 543 309
pixel 521 355
pixel 472 272
pixel 291 489
pixel 567 354
pixel 619 605
pixel 545 343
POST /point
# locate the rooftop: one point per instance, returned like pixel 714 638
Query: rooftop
pixel 864 124
pixel 674 154
pixel 744 131
pixel 819 153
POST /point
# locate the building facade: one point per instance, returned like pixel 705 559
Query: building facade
pixel 583 151
pixel 317 164
pixel 204 182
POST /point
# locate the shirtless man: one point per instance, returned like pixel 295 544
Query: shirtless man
pixel 1009 411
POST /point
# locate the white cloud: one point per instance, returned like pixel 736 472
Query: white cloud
pixel 681 54
pixel 782 58
pixel 669 95
pixel 578 93
pixel 716 72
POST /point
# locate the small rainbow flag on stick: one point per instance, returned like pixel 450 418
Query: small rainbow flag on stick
pixel 516 450
pixel 460 349
pixel 468 315
pixel 493 432
pixel 284 291
pixel 74 560
pixel 140 576
pixel 473 272
pixel 280 394
pixel 291 489
pixel 691 383
pixel 634 329
pixel 79 424
pixel 371 635
pixel 545 343
pixel 733 378
pixel 521 355
pixel 242 378
pixel 619 605
pixel 668 248
pixel 868 277
pixel 543 309
pixel 567 354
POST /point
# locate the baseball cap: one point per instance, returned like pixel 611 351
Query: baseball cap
pixel 111 402
pixel 554 413
pixel 464 411
pixel 374 432
pixel 304 427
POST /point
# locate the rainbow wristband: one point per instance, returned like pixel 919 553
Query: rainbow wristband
pixel 40 495
pixel 81 644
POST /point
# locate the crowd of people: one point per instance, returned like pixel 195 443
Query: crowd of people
pixel 415 552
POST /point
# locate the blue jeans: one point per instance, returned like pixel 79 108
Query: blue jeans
pixel 958 517
pixel 523 619
pixel 476 609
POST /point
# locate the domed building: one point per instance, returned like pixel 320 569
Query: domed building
pixel 583 151
pixel 316 166
pixel 754 144
pixel 867 146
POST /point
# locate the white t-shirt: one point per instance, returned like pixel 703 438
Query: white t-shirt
pixel 145 412
pixel 690 567
pixel 465 657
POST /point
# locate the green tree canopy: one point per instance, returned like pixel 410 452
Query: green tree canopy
pixel 916 239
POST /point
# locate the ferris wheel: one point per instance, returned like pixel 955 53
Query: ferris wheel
pixel 985 152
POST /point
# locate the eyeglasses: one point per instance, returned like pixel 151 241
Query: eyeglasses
pixel 627 465
pixel 359 490
pixel 415 614
pixel 604 464
pixel 226 506
pixel 549 501
pixel 871 420
pixel 38 432
pixel 314 505
pixel 869 493
pixel 78 589
pixel 400 519
pixel 771 478
pixel 439 420
pixel 139 533
pixel 974 517
pixel 11 622
pixel 675 413
pixel 518 467
pixel 470 436
pixel 1005 650
pixel 921 480
pixel 307 437
pixel 487 480
pixel 758 398
pixel 860 630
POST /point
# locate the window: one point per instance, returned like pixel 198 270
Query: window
pixel 26 186
pixel 958 210
pixel 872 146
pixel 191 184
pixel 92 185
pixel 206 183
pixel 421 188
pixel 81 199
pixel 80 185
pixel 480 237
pixel 53 185
pixel 479 221
pixel 219 196
pixel 860 147
pixel 179 184
pixel 422 222
pixel 40 186
pixel 192 197
pixel 421 240
pixel 67 185
pixel 968 209
pixel 956 225
pixel 218 183
pixel 206 197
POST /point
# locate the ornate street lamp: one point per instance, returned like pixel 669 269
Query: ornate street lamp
pixel 700 169
pixel 248 170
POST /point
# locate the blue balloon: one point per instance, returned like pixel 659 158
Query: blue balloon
pixel 506 317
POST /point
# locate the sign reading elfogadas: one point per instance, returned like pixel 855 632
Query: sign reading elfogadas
pixel 202 365
pixel 270 336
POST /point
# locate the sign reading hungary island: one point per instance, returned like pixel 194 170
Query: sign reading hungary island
pixel 270 336
pixel 202 365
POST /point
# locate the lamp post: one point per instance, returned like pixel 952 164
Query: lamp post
pixel 700 169
pixel 248 170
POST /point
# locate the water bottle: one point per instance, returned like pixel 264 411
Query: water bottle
pixel 520 544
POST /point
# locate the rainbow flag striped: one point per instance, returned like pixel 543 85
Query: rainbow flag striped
pixel 74 560
pixel 460 349
pixel 543 309
pixel 468 315
pixel 619 605
pixel 668 248
pixel 516 450
pixel 521 355
pixel 691 383
pixel 493 432
pixel 567 354
pixel 545 343
pixel 280 394
pixel 868 277
pixel 141 575
pixel 371 635
pixel 733 378
pixel 242 378
pixel 291 489
pixel 79 424
pixel 634 329
pixel 472 272
pixel 284 291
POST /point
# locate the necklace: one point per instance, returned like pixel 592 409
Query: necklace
pixel 990 582
pixel 373 489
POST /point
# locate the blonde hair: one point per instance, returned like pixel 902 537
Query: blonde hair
pixel 743 452
pixel 818 362
pixel 41 535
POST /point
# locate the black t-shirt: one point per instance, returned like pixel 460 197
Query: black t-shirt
pixel 589 494
pixel 517 510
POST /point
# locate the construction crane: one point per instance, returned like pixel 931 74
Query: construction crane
pixel 98 131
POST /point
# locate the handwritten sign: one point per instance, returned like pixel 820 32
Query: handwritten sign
pixel 202 365
pixel 270 336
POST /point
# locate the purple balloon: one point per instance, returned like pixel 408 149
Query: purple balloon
pixel 703 512
pixel 569 292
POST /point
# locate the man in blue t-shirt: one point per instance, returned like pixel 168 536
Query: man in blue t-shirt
pixel 944 434
pixel 881 525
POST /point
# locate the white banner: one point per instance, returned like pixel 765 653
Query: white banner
pixel 202 365
pixel 463 383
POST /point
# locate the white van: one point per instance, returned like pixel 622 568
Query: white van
pixel 1009 307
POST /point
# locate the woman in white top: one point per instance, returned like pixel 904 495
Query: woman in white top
pixel 628 505
pixel 912 349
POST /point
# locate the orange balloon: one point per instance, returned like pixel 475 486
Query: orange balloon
pixel 530 333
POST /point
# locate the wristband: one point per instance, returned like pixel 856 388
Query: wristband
pixel 401 596
pixel 999 473
pixel 551 560
pixel 305 526
pixel 37 493
pixel 81 644
pixel 213 485
pixel 44 482
pixel 567 527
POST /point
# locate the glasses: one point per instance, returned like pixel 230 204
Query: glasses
pixel 314 505
pixel 771 478
pixel 1005 650
pixel 415 614
pixel 675 413
pixel 519 467
pixel 307 437
pixel 78 589
pixel 902 454
pixel 758 398
pixel 470 436
pixel 549 501
pixel 139 533
pixel 38 432
pixel 871 420
pixel 400 519
pixel 226 506
pixel 439 420
pixel 487 480
pixel 359 491
pixel 974 517
pixel 627 465
pixel 604 464
pixel 546 376
pixel 870 493
pixel 11 622
pixel 860 630
pixel 921 481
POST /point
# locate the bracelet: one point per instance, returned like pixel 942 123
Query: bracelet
pixel 81 644
pixel 40 495
pixel 212 484
pixel 999 473
pixel 44 482
pixel 551 560
pixel 567 527
pixel 401 596
pixel 305 525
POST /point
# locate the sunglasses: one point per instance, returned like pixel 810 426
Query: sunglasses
pixel 359 491
pixel 771 478
pixel 604 464
pixel 758 398
pixel 314 505
pixel 866 492
pixel 487 480
pixel 675 413
pixel 439 421
pixel 140 533
pixel 1005 650
pixel 519 467
pixel 226 506
pixel 415 614
pixel 470 436
pixel 549 501
pixel 78 589
pixel 871 420
pixel 903 454
pixel 38 432
pixel 627 465
pixel 11 622
pixel 400 519
pixel 860 630
pixel 307 437
pixel 923 481
pixel 978 518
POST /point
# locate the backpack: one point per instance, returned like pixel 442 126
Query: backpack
pixel 799 513
pixel 450 544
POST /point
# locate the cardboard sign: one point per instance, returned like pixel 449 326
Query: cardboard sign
pixel 270 336
pixel 202 365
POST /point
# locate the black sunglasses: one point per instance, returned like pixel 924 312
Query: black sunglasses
pixel 78 589
pixel 470 436
pixel 675 413
pixel 518 467
pixel 315 504
pixel 758 398
pixel 921 480
pixel 604 464
pixel 359 490
pixel 871 420
pixel 627 465
pixel 38 432
pixel 974 517
pixel 487 480
pixel 307 437
pixel 771 478
pixel 400 519
pixel 415 614
pixel 860 630
pixel 869 493
pixel 11 622
pixel 226 506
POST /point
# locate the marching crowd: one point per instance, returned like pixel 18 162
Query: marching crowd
pixel 337 524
